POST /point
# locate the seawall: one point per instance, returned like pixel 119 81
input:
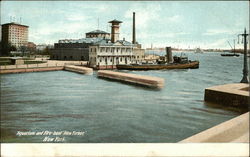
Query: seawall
pixel 236 94
pixel 234 130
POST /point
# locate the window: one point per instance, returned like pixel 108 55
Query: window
pixel 121 59
pixel 110 59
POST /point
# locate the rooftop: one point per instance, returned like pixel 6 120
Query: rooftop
pixel 97 32
pixel 97 41
pixel 107 42
pixel 115 21
pixel 13 23
pixel 83 40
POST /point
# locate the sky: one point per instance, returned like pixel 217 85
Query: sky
pixel 181 24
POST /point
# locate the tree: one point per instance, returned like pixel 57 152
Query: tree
pixel 46 51
pixel 5 48
pixel 23 49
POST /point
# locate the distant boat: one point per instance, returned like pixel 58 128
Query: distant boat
pixel 230 54
pixel 198 50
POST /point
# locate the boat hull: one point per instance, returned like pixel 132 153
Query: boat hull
pixel 230 55
pixel 190 65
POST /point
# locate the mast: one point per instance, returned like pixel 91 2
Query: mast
pixel 234 46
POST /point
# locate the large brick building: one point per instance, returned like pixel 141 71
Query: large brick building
pixel 15 33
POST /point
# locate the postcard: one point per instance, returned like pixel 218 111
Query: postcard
pixel 124 78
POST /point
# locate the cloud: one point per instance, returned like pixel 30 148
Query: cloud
pixel 211 32
pixel 145 14
pixel 175 18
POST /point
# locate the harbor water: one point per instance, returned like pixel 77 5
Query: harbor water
pixel 114 112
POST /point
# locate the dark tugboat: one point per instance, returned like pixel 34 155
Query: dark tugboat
pixel 230 54
pixel 180 62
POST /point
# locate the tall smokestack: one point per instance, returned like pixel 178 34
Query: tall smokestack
pixel 133 40
pixel 169 54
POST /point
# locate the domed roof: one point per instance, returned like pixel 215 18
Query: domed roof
pixel 97 32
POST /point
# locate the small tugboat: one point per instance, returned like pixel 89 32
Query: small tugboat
pixel 198 50
pixel 180 62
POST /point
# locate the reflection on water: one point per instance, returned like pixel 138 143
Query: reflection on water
pixel 111 111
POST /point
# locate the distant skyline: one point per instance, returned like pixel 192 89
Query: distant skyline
pixel 181 24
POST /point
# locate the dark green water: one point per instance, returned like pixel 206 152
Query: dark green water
pixel 115 112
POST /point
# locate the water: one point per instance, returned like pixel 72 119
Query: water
pixel 115 112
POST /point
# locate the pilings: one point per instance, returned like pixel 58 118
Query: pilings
pixel 149 81
pixel 234 130
pixel 236 94
pixel 78 69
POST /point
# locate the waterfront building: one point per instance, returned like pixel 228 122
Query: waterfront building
pixel 98 43
pixel 107 53
pixel 73 49
pixel 15 33
pixel 77 49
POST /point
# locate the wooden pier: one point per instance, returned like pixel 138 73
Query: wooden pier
pixel 149 81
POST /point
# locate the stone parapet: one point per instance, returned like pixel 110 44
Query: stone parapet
pixel 235 130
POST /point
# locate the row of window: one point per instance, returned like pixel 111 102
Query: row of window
pixel 65 57
pixel 111 49
pixel 111 59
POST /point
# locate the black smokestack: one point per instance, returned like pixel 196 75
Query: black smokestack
pixel 133 41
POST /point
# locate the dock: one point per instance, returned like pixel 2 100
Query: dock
pixel 78 69
pixel 149 81
pixel 236 94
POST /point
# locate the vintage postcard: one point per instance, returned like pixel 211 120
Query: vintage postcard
pixel 124 78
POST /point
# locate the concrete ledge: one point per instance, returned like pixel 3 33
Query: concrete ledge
pixel 78 69
pixel 230 94
pixel 37 69
pixel 234 130
pixel 149 81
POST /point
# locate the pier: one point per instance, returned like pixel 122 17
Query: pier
pixel 236 94
pixel 149 81
pixel 78 69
